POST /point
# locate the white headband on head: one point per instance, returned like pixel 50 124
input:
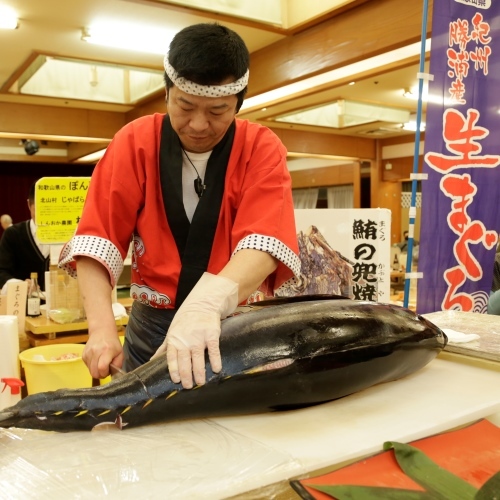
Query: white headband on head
pixel 204 90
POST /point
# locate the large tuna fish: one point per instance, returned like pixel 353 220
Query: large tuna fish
pixel 273 358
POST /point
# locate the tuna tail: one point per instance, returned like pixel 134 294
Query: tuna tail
pixel 58 410
pixel 83 409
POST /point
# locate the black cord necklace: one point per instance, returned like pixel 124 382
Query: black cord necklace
pixel 199 186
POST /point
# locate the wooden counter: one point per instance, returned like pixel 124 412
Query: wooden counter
pixel 44 331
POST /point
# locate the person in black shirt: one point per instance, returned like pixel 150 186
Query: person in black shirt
pixel 20 251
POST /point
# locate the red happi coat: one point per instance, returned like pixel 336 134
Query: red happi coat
pixel 125 198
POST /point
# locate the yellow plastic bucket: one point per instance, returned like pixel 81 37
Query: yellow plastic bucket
pixel 45 371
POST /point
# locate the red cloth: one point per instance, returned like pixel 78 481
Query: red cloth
pixel 472 453
pixel 125 197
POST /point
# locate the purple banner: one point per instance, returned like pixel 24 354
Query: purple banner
pixel 461 198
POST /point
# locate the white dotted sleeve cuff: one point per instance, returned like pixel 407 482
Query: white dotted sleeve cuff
pixel 97 248
pixel 274 247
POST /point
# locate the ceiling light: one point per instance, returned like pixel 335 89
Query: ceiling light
pixel 413 93
pixel 88 80
pixel 92 157
pixel 412 126
pixel 426 97
pixel 409 94
pixel 295 154
pixel 343 113
pixel 129 37
pixel 94 76
pixel 8 18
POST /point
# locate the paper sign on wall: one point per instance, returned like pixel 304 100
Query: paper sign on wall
pixel 58 207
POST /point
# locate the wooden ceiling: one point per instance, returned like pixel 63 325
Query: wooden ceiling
pixel 325 53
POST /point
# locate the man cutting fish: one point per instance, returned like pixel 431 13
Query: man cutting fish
pixel 206 199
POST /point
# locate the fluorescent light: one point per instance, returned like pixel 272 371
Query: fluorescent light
pixel 89 80
pixel 409 94
pixel 92 157
pixel 129 37
pixel 295 154
pixel 344 113
pixel 8 18
pixel 412 125
pixel 413 93
pixel 306 163
pixel 426 97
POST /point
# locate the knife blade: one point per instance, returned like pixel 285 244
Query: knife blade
pixel 115 371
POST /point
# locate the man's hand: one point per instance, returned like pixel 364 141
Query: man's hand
pixel 189 335
pixel 196 327
pixel 102 348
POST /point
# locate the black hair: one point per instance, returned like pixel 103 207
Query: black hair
pixel 208 54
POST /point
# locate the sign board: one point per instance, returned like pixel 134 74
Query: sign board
pixel 14 302
pixel 360 237
pixel 58 207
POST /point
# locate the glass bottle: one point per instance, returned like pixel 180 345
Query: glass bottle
pixel 33 302
pixel 61 301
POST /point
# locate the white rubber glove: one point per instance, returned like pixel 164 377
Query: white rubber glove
pixel 196 327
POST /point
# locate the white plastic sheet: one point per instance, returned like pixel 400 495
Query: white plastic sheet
pixel 218 458
pixel 195 459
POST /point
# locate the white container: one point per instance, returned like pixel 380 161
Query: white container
pixel 9 355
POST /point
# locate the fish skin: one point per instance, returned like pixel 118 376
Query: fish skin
pixel 328 349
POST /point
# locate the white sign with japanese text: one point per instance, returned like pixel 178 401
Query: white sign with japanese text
pixel 360 237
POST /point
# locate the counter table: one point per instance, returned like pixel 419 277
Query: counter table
pixel 253 456
pixel 43 331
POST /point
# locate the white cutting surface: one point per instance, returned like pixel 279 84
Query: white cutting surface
pixel 217 458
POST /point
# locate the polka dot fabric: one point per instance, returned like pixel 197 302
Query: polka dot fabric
pixel 97 248
pixel 272 246
pixel 205 90
pixel 291 283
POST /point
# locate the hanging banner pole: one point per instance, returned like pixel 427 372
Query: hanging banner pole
pixel 413 202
